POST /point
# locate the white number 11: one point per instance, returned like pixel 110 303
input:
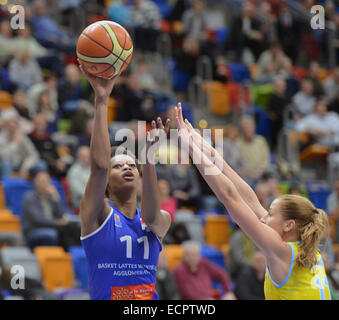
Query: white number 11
pixel 128 240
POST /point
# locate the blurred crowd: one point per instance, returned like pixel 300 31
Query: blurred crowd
pixel 47 118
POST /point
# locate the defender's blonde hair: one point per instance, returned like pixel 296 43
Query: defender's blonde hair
pixel 311 224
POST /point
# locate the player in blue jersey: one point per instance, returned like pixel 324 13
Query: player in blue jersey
pixel 122 242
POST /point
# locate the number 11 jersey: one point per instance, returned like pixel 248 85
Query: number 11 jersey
pixel 122 258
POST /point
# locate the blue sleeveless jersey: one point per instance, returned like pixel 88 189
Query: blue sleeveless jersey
pixel 122 256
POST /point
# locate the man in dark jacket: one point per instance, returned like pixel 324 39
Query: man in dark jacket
pixel 44 222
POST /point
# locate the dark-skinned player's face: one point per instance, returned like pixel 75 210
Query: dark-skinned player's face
pixel 124 172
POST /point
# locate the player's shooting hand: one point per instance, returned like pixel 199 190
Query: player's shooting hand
pixel 102 87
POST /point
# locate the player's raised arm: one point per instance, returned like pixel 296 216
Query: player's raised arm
pixel 93 209
pixel 158 220
pixel 244 189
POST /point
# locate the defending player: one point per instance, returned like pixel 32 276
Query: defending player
pixel 288 234
pixel 122 242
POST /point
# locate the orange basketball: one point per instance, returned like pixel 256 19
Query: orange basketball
pixel 105 49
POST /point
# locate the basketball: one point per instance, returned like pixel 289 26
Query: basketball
pixel 105 49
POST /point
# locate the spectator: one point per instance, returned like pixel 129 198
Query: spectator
pixel 321 126
pixel 119 12
pixel 44 220
pixel 269 62
pixel 17 152
pixel 331 85
pixel 24 71
pixel 245 36
pixel 85 137
pixel 263 193
pixel 195 274
pixel 78 176
pixel 194 22
pixel 254 149
pixel 46 147
pixel 49 85
pixel 231 151
pixel 277 105
pixel 146 19
pixel 184 184
pixel 168 203
pixel 133 102
pixel 44 57
pixel 19 110
pixel 314 74
pixel 250 282
pixel 166 285
pixel 70 91
pixel 288 29
pixel 304 100
pixel 292 83
pixel 333 207
pixel 7 42
pixel 47 32
pixel 241 253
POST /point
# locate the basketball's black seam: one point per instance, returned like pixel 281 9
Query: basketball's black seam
pixel 123 48
pixel 111 52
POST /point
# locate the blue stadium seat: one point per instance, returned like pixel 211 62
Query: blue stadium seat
pixel 213 255
pixel 80 265
pixel 180 79
pixel 240 72
pixel 318 194
pixel 222 36
pixel 15 190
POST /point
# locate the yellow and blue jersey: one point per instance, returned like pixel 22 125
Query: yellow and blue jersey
pixel 300 283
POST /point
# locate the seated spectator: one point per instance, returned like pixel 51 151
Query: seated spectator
pixel 146 18
pixel 241 253
pixel 289 31
pixel 85 137
pixel 46 59
pixel 19 110
pixel 46 147
pixel 24 71
pixel 295 189
pixel 333 207
pixel 166 285
pixel 277 105
pixel 7 42
pixel 321 126
pixel 44 221
pixel 134 103
pixel 194 275
pixel 184 184
pixel 78 175
pixel 269 62
pixel 177 234
pixel 70 91
pixel 304 100
pixel 168 203
pixel 17 152
pixel 34 92
pixel 250 281
pixel 246 40
pixel 331 85
pixel 254 149
pixel 47 32
pixel 231 151
pixel 314 74
pixel 292 83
